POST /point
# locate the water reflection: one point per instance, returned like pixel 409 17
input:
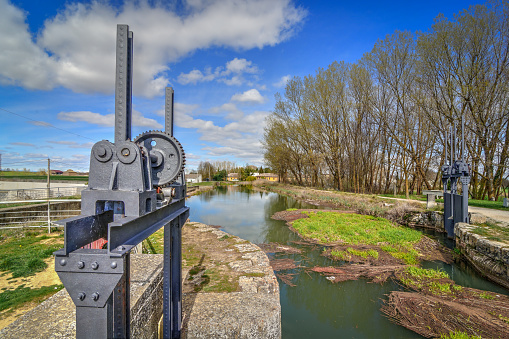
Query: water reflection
pixel 315 307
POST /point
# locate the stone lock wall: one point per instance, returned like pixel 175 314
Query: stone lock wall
pixel 489 257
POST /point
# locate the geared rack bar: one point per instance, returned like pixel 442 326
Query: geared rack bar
pixel 124 204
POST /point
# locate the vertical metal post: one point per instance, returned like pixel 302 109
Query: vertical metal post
pixel 123 84
pixel 450 139
pixel 167 328
pixel 48 195
pixel 462 138
pixel 176 278
pixel 94 322
pixel 168 110
pixel 121 304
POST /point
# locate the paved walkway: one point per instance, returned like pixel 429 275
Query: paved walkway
pixel 497 215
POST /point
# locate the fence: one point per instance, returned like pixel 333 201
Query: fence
pixel 40 215
pixel 39 193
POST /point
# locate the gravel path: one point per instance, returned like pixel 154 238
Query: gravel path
pixel 497 215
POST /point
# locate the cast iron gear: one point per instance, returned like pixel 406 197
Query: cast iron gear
pixel 166 156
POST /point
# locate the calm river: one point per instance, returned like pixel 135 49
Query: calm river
pixel 315 307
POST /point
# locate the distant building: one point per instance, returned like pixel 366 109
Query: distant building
pixel 56 172
pixel 268 176
pixel 70 172
pixel 233 177
pixel 193 178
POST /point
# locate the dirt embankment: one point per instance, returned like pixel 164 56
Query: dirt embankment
pixel 431 303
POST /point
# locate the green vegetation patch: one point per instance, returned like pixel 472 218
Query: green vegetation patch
pixel 459 335
pixel 431 281
pixel 23 254
pixel 354 229
pixel 22 294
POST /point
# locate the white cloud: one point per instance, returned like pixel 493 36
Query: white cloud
pixel 107 120
pixel 87 116
pixel 282 82
pixel 76 48
pixel 72 144
pixel 230 74
pixel 231 110
pixel 237 139
pixel 24 144
pixel 241 66
pixel 35 155
pixel 40 123
pixel 251 96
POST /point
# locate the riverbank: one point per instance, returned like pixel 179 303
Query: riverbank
pixel 371 248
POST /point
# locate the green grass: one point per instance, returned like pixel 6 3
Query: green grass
pixel 459 335
pixel 428 280
pixel 423 273
pixel 485 295
pixel 354 229
pixel 492 232
pixel 22 294
pixel 23 254
pixel 498 205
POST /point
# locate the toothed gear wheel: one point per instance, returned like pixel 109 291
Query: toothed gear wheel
pixel 166 156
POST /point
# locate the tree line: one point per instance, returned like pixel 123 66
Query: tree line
pixel 379 125
pixel 218 170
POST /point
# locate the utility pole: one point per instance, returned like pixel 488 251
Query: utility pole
pixel 48 196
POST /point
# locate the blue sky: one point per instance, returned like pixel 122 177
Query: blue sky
pixel 225 60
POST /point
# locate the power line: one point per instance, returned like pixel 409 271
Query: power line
pixel 46 124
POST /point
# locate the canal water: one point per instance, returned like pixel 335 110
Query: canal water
pixel 314 307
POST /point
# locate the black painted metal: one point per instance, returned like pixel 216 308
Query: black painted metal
pixel 448 217
pixel 454 172
pixel 121 205
pixel 176 278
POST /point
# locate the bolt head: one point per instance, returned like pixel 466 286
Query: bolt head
pixel 63 262
pixel 125 152
pixel 95 265
pixel 113 265
pixel 81 264
pixel 95 296
pixel 101 151
pixel 81 296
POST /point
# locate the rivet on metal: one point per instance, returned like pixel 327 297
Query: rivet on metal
pixel 81 264
pixel 113 265
pixel 94 265
pixel 95 296
pixel 63 262
pixel 81 296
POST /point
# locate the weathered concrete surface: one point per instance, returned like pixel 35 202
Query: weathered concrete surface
pixel 489 257
pixel 55 317
pixel 253 311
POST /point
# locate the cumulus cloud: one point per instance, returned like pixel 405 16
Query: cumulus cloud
pixel 282 82
pixel 76 48
pixel 231 74
pixel 231 110
pixel 107 120
pixel 251 96
pixel 238 139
